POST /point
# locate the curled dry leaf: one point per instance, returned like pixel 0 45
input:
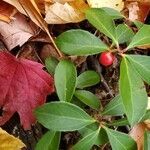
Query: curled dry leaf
pixel 58 13
pixel 17 32
pixel 6 12
pixel 137 133
pixel 24 86
pixel 9 142
pixel 115 4
pixel 30 9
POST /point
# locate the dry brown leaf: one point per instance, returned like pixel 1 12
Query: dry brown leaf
pixel 115 4
pixel 138 10
pixel 58 13
pixel 6 12
pixel 30 9
pixel 9 142
pixel 18 31
pixel 137 133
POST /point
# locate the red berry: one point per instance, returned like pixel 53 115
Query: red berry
pixel 106 58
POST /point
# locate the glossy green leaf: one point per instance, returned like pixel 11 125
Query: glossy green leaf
pixel 113 13
pixel 123 33
pixel 102 21
pixel 87 78
pixel 142 65
pixel 141 38
pixel 88 98
pixel 50 64
pixel 114 107
pixel 62 116
pixel 147 140
pixel 65 80
pixel 79 42
pixel 88 141
pixel 49 141
pixel 120 141
pixel 133 93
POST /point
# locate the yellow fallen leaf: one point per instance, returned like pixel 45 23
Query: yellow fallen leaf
pixel 9 142
pixel 115 4
pixel 58 13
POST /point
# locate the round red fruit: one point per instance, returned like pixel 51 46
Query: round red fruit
pixel 106 59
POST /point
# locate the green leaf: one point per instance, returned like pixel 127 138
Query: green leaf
pixel 133 93
pixel 146 116
pixel 79 42
pixel 114 107
pixel 120 122
pixel 142 65
pixel 88 98
pixel 65 80
pixel 141 38
pixel 123 33
pixel 102 138
pixel 87 78
pixel 147 140
pixel 50 64
pixel 49 141
pixel 120 141
pixel 113 13
pixel 88 141
pixel 102 21
pixel 138 24
pixel 62 116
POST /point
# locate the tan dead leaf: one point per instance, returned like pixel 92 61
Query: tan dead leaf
pixel 17 32
pixel 6 12
pixel 115 4
pixel 137 133
pixel 138 10
pixel 30 9
pixel 9 142
pixel 59 1
pixel 58 13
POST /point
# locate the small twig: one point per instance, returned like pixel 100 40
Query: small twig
pixel 103 81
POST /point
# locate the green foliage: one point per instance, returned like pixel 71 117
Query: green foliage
pixel 64 73
pixel 133 93
pixel 87 79
pixel 146 140
pixel 123 33
pixel 142 37
pixel 130 104
pixel 88 98
pixel 120 141
pixel 63 116
pixel 81 43
pixel 114 107
pixel 107 26
pixel 142 65
pixel 119 122
pixel 88 141
pixel 51 64
pixel 50 141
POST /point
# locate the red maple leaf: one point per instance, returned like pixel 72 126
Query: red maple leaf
pixel 24 85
